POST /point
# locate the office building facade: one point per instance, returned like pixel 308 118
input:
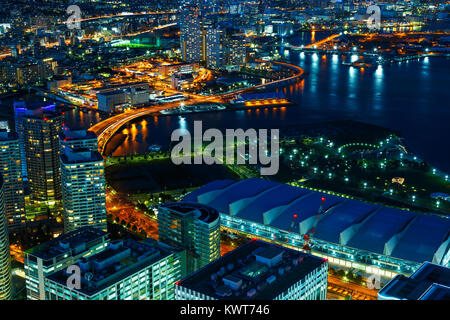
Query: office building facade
pixel 41 141
pixel 83 189
pixel 193 227
pixel 10 166
pixel 22 109
pixel 5 260
pixel 57 254
pixel 125 270
pixel 215 51
pixel 191 35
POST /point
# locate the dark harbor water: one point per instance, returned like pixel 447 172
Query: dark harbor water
pixel 412 98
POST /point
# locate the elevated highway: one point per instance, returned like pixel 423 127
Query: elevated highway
pixel 106 129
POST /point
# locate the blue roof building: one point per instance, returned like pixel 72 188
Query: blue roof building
pixel 350 233
pixel 429 282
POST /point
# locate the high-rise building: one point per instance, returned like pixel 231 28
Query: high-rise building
pixel 191 35
pixel 78 139
pixel 429 282
pixel 236 51
pixel 83 189
pixel 57 254
pixel 24 108
pixel 258 270
pixel 5 261
pixel 124 270
pixel 41 141
pixel 10 166
pixel 215 53
pixel 193 227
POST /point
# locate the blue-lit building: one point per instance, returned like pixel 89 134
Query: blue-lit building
pixel 258 270
pixel 124 270
pixel 22 109
pixel 429 282
pixel 370 238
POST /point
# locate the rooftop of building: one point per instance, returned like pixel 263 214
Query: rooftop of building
pixel 201 212
pixel 74 242
pixel 429 282
pixel 111 93
pixel 120 259
pixel 361 225
pixel 24 105
pixel 68 134
pixel 80 155
pixel 118 87
pixel 6 135
pixel 256 270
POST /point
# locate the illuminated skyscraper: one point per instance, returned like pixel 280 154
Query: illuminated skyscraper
pixel 10 166
pixel 193 227
pixel 214 41
pixel 191 35
pixel 41 141
pixel 22 109
pixel 83 189
pixel 236 51
pixel 5 261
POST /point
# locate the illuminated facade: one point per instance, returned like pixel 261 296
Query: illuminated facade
pixel 258 270
pixel 10 166
pixel 191 35
pixel 5 261
pixel 58 254
pixel 83 189
pixel 214 40
pixel 351 234
pixel 236 51
pixel 193 227
pixel 124 270
pixel 76 139
pixel 22 109
pixel 41 141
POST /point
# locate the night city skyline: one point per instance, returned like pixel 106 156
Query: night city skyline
pixel 231 150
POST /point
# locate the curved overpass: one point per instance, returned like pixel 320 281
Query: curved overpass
pixel 106 129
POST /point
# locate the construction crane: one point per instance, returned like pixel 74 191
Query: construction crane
pixel 308 235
